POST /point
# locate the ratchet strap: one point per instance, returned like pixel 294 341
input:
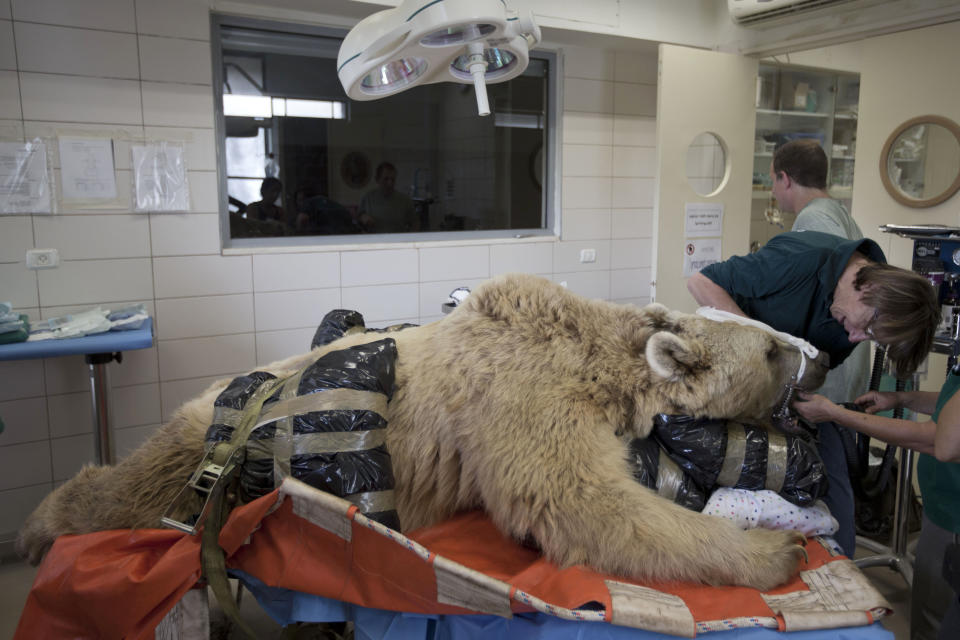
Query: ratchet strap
pixel 217 474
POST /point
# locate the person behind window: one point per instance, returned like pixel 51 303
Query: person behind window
pixel 266 208
pixel 933 603
pixel 384 209
pixel 319 215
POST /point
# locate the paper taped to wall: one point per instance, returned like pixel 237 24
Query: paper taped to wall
pixel 24 181
pixel 87 169
pixel 160 177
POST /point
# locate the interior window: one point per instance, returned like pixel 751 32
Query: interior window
pixel 302 159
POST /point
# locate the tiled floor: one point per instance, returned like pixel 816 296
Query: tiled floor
pixel 16 578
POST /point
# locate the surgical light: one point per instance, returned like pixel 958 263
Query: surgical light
pixel 387 78
pixel 426 41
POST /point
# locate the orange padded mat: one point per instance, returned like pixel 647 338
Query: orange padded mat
pixel 120 584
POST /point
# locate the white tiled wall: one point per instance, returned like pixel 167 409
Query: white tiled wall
pixel 609 164
pixel 140 69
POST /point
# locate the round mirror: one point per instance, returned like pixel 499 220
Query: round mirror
pixel 706 164
pixel 920 162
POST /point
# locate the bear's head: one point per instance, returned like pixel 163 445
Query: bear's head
pixel 707 368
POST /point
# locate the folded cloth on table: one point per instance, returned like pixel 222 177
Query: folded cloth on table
pixel 752 509
pixel 18 331
pixel 7 314
pixel 127 318
pixel 96 320
pixel 71 326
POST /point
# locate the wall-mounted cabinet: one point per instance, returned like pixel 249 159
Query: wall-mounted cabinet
pixel 794 103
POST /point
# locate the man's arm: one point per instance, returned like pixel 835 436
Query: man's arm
pixel 707 293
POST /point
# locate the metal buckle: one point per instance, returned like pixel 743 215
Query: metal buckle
pixel 204 480
pixel 784 419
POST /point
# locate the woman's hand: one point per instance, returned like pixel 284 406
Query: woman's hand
pixel 875 401
pixel 815 407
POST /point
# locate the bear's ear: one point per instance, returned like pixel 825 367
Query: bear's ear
pixel 672 357
pixel 657 316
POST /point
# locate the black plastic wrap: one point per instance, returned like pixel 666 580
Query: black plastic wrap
pixel 792 467
pixel 365 367
pixel 335 325
pixel 340 322
pixel 234 397
pixel 356 467
pixel 646 460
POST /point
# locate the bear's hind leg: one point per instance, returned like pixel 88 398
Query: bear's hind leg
pixel 135 493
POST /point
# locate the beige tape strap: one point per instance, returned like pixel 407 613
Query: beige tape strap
pixel 307 443
pixel 649 609
pixel 282 447
pixel 338 441
pixel 464 587
pixel 776 461
pixel 222 452
pixel 838 595
pixel 373 501
pixel 326 400
pixel 669 477
pixel 291 386
pixel 227 415
pixel 734 456
pixel 322 509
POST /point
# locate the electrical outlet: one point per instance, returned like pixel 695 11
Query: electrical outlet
pixel 588 255
pixel 43 258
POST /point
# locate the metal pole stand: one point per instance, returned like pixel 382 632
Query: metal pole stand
pixel 99 386
pixel 896 557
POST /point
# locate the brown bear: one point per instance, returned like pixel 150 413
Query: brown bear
pixel 520 402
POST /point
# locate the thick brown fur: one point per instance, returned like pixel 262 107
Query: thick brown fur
pixel 520 402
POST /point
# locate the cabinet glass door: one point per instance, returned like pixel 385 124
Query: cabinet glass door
pixel 795 103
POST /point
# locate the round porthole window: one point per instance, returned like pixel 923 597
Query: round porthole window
pixel 706 164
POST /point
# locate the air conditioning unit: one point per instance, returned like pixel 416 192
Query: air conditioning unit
pixel 751 12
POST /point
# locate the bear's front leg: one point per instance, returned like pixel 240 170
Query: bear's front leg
pixel 576 496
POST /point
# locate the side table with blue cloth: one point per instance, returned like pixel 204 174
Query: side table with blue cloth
pixel 99 350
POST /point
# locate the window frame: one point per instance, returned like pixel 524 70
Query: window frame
pixel 551 157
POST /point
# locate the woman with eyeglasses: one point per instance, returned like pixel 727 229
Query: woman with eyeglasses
pixel 834 293
pixel 938 474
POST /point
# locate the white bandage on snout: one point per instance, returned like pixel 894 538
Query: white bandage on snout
pixel 807 349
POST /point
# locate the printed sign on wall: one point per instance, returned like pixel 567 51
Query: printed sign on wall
pixel 699 253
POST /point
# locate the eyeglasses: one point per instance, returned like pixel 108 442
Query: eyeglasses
pixel 869 328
